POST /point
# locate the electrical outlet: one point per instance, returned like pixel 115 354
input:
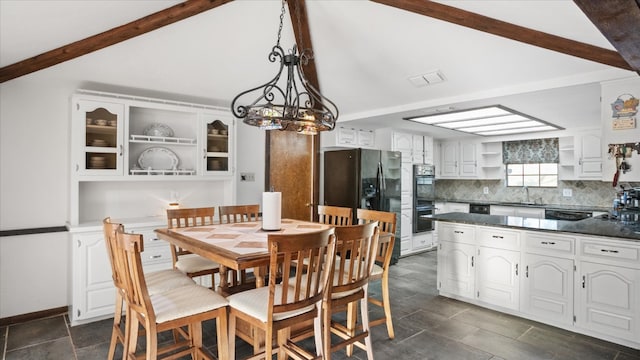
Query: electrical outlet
pixel 247 177
pixel 485 190
pixel 567 192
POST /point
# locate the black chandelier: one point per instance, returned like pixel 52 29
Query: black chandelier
pixel 294 106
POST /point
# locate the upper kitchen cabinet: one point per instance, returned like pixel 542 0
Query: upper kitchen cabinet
pixel 491 161
pixel 581 156
pixel 216 150
pixel 620 105
pixel 458 159
pixel 98 141
pixel 343 136
pixel 139 139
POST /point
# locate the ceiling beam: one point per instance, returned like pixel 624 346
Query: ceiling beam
pixel 300 23
pixel 100 41
pixel 619 22
pixel 511 31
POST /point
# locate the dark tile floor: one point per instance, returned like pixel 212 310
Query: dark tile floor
pixel 427 326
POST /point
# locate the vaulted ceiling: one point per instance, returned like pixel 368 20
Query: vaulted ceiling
pixel 366 51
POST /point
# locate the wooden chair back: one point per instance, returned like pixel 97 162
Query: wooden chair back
pixel 357 246
pixel 188 217
pixel 301 259
pixel 386 223
pixel 109 228
pixel 238 213
pixel 334 215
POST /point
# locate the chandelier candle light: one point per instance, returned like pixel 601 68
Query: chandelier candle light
pixel 293 106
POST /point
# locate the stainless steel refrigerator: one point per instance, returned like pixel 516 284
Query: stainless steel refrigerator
pixel 367 179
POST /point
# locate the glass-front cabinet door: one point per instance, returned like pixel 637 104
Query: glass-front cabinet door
pixel 101 138
pixel 218 147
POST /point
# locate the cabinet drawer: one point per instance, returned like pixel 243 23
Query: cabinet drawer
pixel 549 244
pixel 616 251
pixel 159 252
pixel 421 241
pixel 499 238
pixel 456 233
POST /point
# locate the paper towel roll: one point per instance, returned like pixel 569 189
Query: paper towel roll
pixel 271 210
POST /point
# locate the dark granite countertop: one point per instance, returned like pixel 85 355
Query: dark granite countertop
pixel 593 226
pixel 533 205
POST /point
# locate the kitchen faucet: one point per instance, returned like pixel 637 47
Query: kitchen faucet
pixel 526 189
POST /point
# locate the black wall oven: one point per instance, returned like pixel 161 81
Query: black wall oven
pixel 423 197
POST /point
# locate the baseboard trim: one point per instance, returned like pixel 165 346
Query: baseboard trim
pixel 33 316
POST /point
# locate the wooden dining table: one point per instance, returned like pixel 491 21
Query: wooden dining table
pixel 236 246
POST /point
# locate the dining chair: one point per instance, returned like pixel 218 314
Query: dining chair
pixel 182 309
pixel 234 214
pixel 238 213
pixel 387 224
pixel 191 264
pixel 157 282
pixel 294 295
pixel 357 245
pixel 334 215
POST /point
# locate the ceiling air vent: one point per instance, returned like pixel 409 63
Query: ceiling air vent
pixel 429 78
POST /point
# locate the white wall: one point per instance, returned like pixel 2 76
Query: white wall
pixel 34 187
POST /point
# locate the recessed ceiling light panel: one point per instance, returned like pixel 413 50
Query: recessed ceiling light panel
pixel 486 121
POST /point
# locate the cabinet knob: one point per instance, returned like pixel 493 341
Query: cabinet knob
pixel 155 256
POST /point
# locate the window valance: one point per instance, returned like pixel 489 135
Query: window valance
pixel 530 151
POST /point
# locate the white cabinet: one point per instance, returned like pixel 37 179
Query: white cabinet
pixel 348 137
pixel 589 156
pixel 458 160
pixel 216 150
pixel 456 259
pixel 498 277
pixel 608 287
pixel 547 285
pixel 142 138
pixel 456 268
pixel 98 146
pixel 581 156
pixel 93 293
pixel 498 269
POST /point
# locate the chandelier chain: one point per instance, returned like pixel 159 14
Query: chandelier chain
pixel 281 21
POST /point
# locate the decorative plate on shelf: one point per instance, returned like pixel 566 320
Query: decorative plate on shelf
pixel 158 158
pixel 158 129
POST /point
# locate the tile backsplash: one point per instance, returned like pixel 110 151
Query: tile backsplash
pixel 585 193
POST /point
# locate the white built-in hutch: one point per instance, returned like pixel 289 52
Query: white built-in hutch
pixel 131 157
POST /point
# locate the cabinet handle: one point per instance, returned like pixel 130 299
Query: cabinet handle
pixel 516 269
pixel 204 153
pixel 472 261
pixel 547 243
pixel 120 147
pixel 154 239
pixel 458 232
pixel 77 167
pixel 580 161
pixel 526 271
pixel 497 237
pixel 455 163
pixel 155 256
pixel 583 281
pixel 609 251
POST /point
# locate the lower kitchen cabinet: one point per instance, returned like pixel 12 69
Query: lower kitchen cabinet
pixel 498 277
pixel 456 268
pixel 93 293
pixel 609 300
pixel 587 284
pixel 547 288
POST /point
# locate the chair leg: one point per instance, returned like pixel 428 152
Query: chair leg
pixel 222 331
pixel 364 313
pixel 232 337
pixel 352 316
pixel 317 331
pixel 387 305
pixel 116 332
pixel 134 324
pixel 152 340
pixel 195 330
pixel 326 330
pixel 283 335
